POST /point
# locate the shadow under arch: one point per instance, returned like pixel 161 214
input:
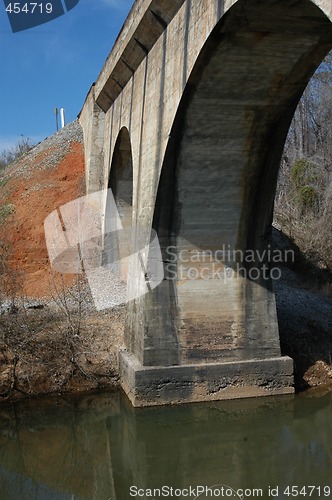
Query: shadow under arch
pixel 218 181
pixel 120 191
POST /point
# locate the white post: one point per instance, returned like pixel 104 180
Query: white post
pixel 62 117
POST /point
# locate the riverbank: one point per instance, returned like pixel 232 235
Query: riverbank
pixel 58 345
pixel 304 308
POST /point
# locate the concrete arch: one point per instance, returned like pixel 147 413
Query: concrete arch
pixel 218 181
pixel 120 190
pixel 120 179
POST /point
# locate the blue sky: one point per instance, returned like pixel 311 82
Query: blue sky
pixel 53 65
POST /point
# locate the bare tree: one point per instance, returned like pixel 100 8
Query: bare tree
pixel 9 155
pixel 303 202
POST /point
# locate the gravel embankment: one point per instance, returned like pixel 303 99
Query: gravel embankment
pixel 57 147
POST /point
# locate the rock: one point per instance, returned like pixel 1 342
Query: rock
pixel 318 374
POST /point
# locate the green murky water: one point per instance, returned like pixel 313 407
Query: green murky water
pixel 98 446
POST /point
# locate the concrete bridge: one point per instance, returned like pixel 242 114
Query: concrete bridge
pixel 186 124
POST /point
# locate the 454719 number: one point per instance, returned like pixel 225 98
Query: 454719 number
pixel 29 8
pixel 308 491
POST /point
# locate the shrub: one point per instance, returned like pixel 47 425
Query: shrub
pixel 308 197
pixel 303 173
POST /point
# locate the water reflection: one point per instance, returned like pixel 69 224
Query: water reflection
pixel 96 447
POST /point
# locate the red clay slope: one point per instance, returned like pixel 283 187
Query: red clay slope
pixel 46 178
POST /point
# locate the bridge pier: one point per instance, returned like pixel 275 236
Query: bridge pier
pixel 192 340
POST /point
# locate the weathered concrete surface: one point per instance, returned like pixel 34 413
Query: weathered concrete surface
pixel 149 386
pixel 205 90
pixel 92 120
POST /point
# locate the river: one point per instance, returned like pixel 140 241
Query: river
pixel 98 447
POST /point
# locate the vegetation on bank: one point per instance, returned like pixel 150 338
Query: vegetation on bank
pixel 55 345
pixel 9 155
pixel 303 203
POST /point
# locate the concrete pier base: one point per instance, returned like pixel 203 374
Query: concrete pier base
pixel 158 385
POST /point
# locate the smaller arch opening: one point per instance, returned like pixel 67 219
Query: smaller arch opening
pixel 119 205
pixel 121 177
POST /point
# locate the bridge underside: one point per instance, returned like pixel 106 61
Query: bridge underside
pixel 210 329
